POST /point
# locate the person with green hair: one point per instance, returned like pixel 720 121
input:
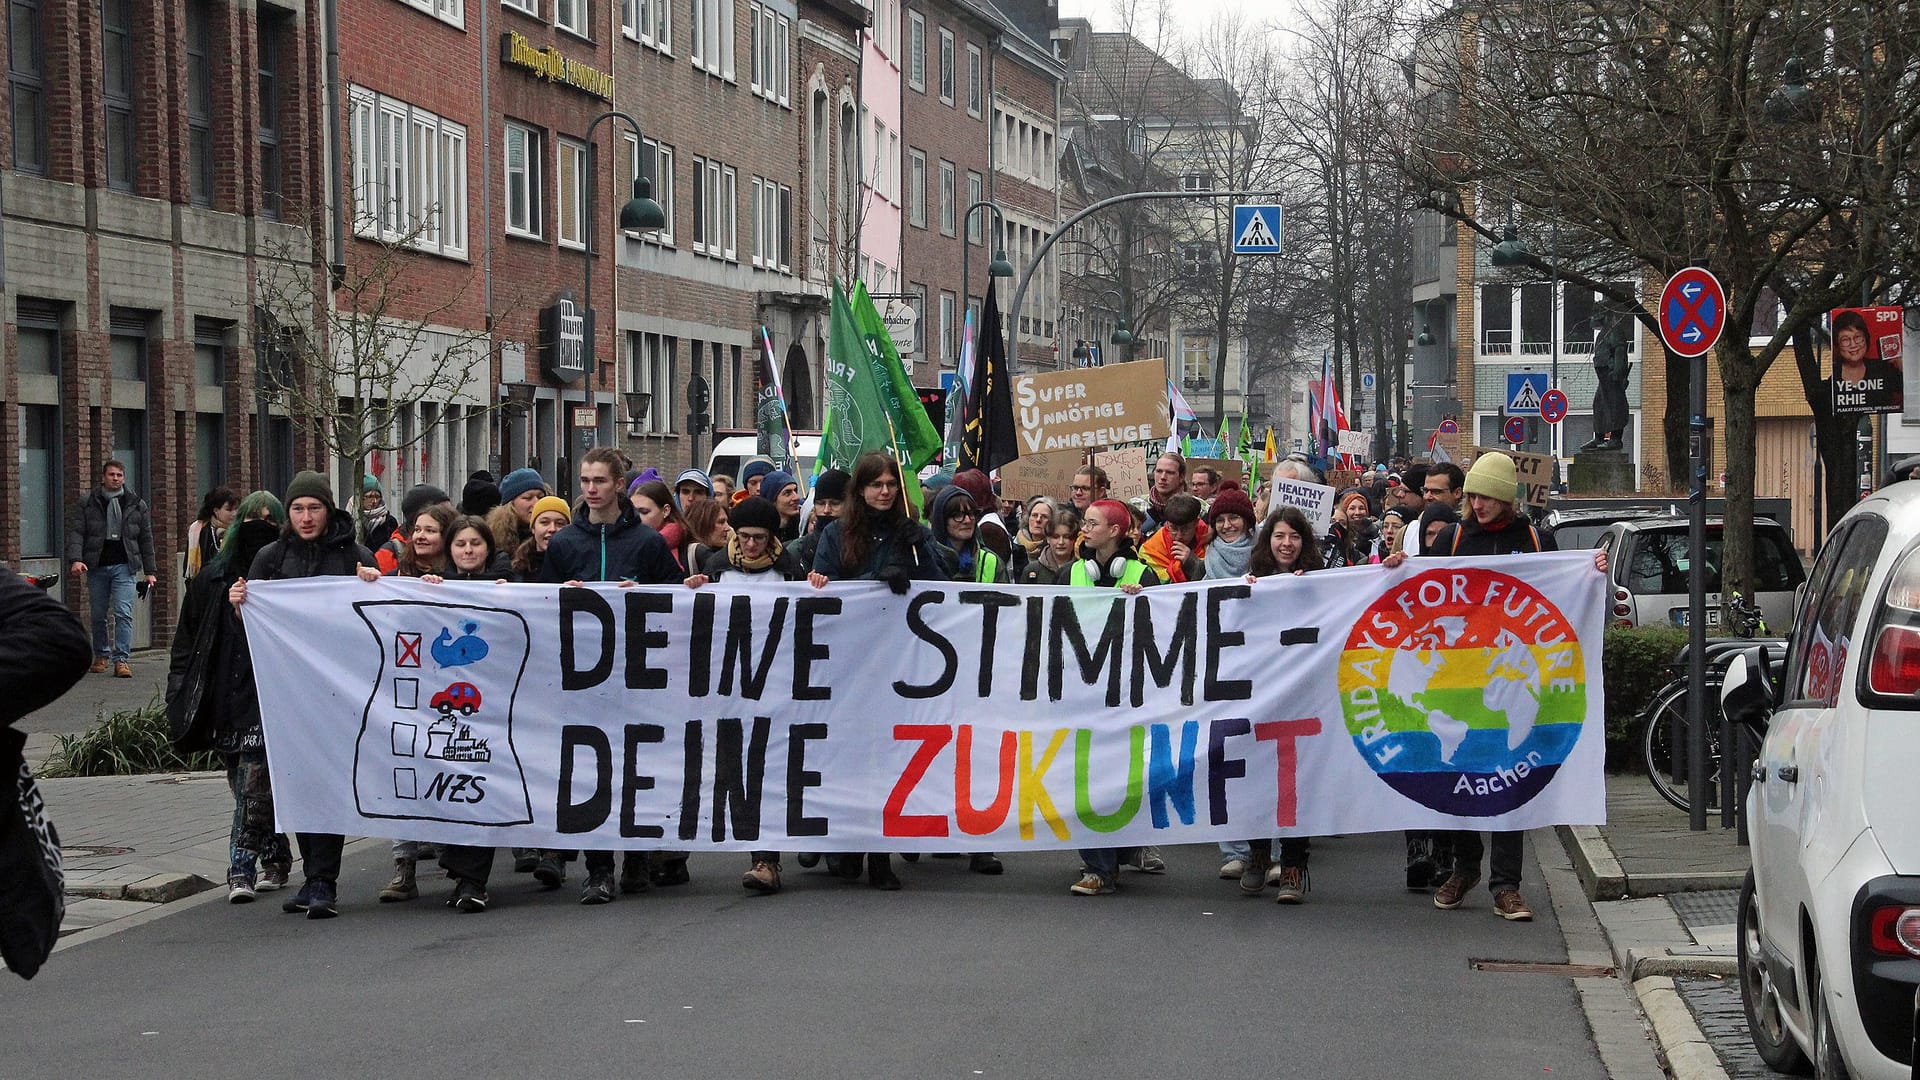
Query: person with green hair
pixel 211 703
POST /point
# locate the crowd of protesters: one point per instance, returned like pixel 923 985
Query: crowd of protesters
pixel 623 524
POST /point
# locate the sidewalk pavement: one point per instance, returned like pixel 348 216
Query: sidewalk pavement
pixel 95 698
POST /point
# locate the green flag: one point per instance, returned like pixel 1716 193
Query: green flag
pixel 1246 437
pixel 871 404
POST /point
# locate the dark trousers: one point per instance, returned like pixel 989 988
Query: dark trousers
pixel 465 863
pixel 1503 870
pixel 320 855
pixel 1293 849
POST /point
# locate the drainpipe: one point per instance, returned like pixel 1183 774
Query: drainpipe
pixel 336 179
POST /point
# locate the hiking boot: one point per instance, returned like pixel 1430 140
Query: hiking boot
pixel 403 886
pixel 1454 891
pixel 320 903
pixel 986 862
pixel 272 878
pixel 524 860
pixel 1293 885
pixel 549 871
pixel 635 873
pixel 468 898
pixel 1091 884
pixel 240 889
pixel 1233 868
pixel 1509 905
pixel 764 878
pixel 599 888
pixel 1148 861
pixel 1253 879
pixel 99 666
pixel 122 670
pixel 880 873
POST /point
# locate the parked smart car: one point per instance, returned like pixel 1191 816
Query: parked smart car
pixel 1829 919
pixel 1647 567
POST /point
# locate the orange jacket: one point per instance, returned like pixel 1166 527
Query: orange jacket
pixel 1157 552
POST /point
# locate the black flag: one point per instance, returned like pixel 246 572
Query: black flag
pixel 988 440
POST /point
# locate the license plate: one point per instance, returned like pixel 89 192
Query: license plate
pixel 1679 615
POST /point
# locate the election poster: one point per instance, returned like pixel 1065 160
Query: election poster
pixel 1866 375
pixel 1090 408
pixel 1442 694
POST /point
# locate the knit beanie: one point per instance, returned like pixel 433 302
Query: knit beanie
pixel 754 512
pixel 370 483
pixel 519 482
pixel 1231 500
pixel 754 467
pixel 775 482
pixel 310 485
pixel 551 503
pixel 831 484
pixel 478 497
pixel 418 498
pixel 1493 476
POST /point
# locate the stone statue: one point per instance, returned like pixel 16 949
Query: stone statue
pixel 1610 411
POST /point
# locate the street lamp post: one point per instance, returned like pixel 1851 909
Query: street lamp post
pixel 1026 276
pixel 998 268
pixel 1512 251
pixel 640 214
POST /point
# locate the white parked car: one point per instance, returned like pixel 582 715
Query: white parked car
pixel 1830 916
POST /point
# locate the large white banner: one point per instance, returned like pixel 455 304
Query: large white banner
pixel 1443 694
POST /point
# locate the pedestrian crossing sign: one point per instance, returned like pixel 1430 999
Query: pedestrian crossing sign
pixel 1523 392
pixel 1256 230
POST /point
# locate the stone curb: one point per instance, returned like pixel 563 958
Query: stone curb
pixel 1685 1048
pixel 155 889
pixel 1603 878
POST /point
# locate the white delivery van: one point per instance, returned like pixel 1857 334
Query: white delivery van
pixel 732 448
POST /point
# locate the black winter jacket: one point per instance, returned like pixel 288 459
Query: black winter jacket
pixel 88 533
pixel 1516 538
pixel 621 550
pixel 211 700
pixel 907 549
pixel 333 554
pixel 43 649
pixel 788 566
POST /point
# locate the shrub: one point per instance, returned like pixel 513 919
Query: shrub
pixel 128 742
pixel 1636 661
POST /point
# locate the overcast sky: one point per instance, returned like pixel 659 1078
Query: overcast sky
pixel 1189 12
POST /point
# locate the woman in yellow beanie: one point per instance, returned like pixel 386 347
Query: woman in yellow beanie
pixel 550 515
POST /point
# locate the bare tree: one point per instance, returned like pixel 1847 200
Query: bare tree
pixel 387 344
pixel 1674 133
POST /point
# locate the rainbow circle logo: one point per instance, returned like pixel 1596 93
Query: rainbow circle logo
pixel 1464 690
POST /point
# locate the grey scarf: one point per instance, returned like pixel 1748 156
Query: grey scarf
pixel 1226 560
pixel 115 513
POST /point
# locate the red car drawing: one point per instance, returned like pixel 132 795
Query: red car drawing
pixel 461 696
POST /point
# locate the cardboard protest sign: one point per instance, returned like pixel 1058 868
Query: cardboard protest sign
pixel 1314 500
pixel 1040 474
pixel 1090 408
pixel 1535 472
pixel 783 717
pixel 1126 470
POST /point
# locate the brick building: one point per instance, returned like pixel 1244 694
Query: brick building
pixel 979 94
pixel 160 156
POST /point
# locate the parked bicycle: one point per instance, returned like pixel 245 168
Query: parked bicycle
pixel 1665 738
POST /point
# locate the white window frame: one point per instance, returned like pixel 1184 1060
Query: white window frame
pixel 574 16
pixel 651 359
pixel 948 77
pixel 419 157
pixel 713 37
pixel 451 12
pixel 916 59
pixel 530 7
pixel 948 194
pixel 976 80
pixel 570 222
pixel 650 22
pixel 533 166
pixel 662 186
pixel 768 41
pixel 976 192
pixel 916 188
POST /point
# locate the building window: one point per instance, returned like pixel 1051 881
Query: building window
pixel 976 193
pixel 976 81
pixel 1196 362
pixel 525 162
pixel 570 187
pixel 117 90
pixel 949 332
pixel 531 7
pixel 772 225
pixel 649 22
pixel 654 161
pixel 452 12
pixel 650 360
pixel 946 66
pixel 769 41
pixel 40 499
pixel 199 104
pixel 713 37
pixel 571 16
pixel 917 188
pixel 947 213
pixel 27 81
pixel 917 51
pixel 715 192
pixel 271 29
pixel 409 174
pixel 1196 181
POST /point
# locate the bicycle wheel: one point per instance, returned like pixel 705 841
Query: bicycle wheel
pixel 1664 747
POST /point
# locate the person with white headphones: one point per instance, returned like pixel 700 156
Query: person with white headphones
pixel 1107 560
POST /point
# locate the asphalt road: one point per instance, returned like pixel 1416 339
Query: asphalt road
pixel 957 976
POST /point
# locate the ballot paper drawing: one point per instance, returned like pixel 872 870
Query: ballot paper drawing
pixel 436 741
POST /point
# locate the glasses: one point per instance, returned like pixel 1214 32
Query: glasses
pixel 962 512
pixel 1434 493
pixel 1081 487
pixel 883 485
pixel 753 537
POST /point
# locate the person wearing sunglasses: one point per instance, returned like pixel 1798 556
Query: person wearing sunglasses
pixel 955 520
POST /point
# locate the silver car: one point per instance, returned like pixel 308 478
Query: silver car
pixel 1648 564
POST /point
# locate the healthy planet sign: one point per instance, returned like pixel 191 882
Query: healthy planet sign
pixel 1442 694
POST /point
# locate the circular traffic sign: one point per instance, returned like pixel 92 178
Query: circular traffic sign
pixel 1553 405
pixel 1449 426
pixel 1516 430
pixel 1693 312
